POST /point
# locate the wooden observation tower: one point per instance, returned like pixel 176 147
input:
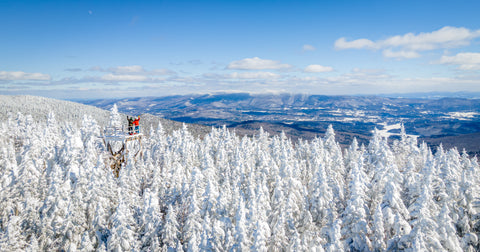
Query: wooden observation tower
pixel 121 145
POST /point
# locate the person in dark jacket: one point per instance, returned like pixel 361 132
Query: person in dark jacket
pixel 130 125
pixel 137 125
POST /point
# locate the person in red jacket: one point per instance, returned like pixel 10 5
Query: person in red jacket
pixel 137 125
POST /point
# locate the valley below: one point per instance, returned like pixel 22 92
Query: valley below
pixel 452 122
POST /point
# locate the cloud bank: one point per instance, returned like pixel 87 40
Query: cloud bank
pixel 19 75
pixel 317 69
pixel 133 70
pixel 409 45
pixel 256 63
pixel 465 61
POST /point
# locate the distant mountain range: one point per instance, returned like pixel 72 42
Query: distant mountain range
pixel 448 121
pixel 453 121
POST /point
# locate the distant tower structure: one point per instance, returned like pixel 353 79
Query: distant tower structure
pixel 121 144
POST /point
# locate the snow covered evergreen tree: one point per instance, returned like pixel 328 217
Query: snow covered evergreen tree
pixel 225 192
pixel 355 216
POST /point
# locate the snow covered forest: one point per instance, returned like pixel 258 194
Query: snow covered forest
pixel 224 192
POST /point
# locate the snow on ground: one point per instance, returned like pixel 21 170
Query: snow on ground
pixel 386 131
pixel 462 115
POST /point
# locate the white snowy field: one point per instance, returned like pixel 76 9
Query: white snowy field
pixel 462 115
pixel 387 128
pixel 222 192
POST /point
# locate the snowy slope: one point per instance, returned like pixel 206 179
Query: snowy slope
pixel 39 107
pixel 72 112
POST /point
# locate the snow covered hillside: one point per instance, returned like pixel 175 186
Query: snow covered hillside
pixel 222 192
pixel 73 113
pixel 39 107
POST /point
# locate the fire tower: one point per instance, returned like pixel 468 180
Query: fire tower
pixel 121 145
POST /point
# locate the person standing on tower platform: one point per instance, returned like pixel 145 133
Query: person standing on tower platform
pixel 137 125
pixel 130 125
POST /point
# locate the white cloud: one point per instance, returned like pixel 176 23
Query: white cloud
pixel 408 45
pixel 243 75
pixel 306 79
pixel 400 54
pixel 446 37
pixel 162 72
pixel 125 77
pixel 368 70
pixel 308 48
pixel 256 63
pixel 12 76
pixel 342 44
pixel 318 69
pixel 465 61
pixel 126 70
pixel 254 75
pixel 132 70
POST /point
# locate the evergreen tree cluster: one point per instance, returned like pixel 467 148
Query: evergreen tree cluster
pixel 225 192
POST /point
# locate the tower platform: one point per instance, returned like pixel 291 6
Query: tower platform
pixel 119 145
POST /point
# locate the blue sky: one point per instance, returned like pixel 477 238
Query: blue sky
pixel 106 49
